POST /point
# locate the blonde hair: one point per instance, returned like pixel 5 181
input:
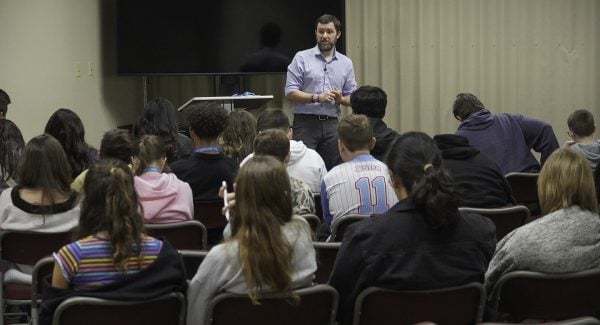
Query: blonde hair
pixel 263 205
pixel 566 180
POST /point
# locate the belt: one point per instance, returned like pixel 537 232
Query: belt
pixel 317 117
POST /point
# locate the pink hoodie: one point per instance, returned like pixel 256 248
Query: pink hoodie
pixel 164 198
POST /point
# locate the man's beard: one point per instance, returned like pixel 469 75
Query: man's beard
pixel 327 46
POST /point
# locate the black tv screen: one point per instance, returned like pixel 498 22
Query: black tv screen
pixel 217 36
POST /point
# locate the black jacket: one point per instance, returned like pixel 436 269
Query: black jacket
pixel 399 250
pixel 384 136
pixel 165 275
pixel 479 180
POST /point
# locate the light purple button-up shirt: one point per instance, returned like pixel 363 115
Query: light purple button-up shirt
pixel 311 73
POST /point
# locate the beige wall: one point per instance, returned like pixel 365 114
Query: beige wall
pixel 536 57
pixel 40 43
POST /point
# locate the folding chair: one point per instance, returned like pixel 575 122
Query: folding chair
pixel 573 321
pixel 506 219
pixel 318 305
pixel 326 255
pixel 165 310
pixel 339 226
pixel 524 190
pixel 192 260
pixel 189 234
pixel 548 296
pixel 25 247
pixel 211 216
pixel 313 221
pixel 454 305
pixel 42 268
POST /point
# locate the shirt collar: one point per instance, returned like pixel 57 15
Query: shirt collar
pixel 318 53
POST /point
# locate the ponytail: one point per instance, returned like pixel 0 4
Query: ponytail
pixel 148 149
pixel 416 161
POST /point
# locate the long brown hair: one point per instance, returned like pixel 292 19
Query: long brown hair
pixel 566 180
pixel 148 149
pixel 110 204
pixel 238 136
pixel 263 205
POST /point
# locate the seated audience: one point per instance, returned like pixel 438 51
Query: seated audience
pixel 581 131
pixel 11 146
pixel 116 144
pixel 42 200
pixel 362 183
pixel 4 101
pixel 371 101
pixel 207 167
pixel 275 143
pixel 112 258
pixel 67 128
pixel 270 250
pixel 479 181
pixel 238 136
pixel 506 139
pixel 305 164
pixel 566 238
pixel 422 242
pixel 159 119
pixel 163 197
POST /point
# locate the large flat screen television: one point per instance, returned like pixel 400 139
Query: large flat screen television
pixel 172 37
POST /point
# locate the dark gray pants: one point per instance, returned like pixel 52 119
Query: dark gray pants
pixel 319 132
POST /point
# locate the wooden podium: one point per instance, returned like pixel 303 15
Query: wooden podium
pixel 231 102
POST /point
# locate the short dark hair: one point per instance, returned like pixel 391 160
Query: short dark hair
pixel 465 105
pixel 4 101
pixel 117 144
pixel 272 118
pixel 207 120
pixel 581 123
pixel 273 142
pixel 356 132
pixel 326 19
pixel 369 100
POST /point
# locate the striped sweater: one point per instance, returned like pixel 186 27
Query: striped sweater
pixel 88 263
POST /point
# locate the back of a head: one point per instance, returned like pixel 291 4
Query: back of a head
pixel 263 205
pixel 239 134
pixel 11 146
pixel 273 118
pixel 326 19
pixel 116 144
pixel 369 100
pixel 356 132
pixel 415 160
pixel 67 128
pixel 565 180
pixel 110 204
pixel 273 142
pixel 147 150
pixel 465 105
pixel 581 123
pixel 207 120
pixel 43 164
pixel 159 119
pixel 4 101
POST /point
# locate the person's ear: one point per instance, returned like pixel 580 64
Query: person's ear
pixel 372 144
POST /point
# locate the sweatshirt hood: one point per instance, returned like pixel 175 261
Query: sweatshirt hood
pixel 591 151
pixel 480 120
pixel 297 151
pixel 455 146
pixel 159 189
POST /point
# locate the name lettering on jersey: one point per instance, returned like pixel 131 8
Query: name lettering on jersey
pixel 366 168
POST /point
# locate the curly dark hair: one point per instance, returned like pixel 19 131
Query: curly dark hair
pixel 207 120
pixel 4 101
pixel 11 146
pixel 117 144
pixel 159 119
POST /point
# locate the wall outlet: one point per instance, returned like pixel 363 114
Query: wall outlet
pixel 77 69
pixel 91 68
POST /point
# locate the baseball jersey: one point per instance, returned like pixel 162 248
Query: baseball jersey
pixel 361 185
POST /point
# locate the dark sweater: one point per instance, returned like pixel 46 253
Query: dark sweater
pixel 205 174
pixel 478 179
pixel 384 137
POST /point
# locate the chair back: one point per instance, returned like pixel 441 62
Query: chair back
pixel 339 226
pixel 524 190
pixel 527 294
pixel 326 255
pixel 318 206
pixel 211 215
pixel 317 305
pixel 573 321
pixel 455 305
pixel 41 269
pixel 28 247
pixel 165 310
pixel 189 234
pixel 313 221
pixel 191 261
pixel 505 219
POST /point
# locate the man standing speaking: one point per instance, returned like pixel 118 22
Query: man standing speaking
pixel 319 79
